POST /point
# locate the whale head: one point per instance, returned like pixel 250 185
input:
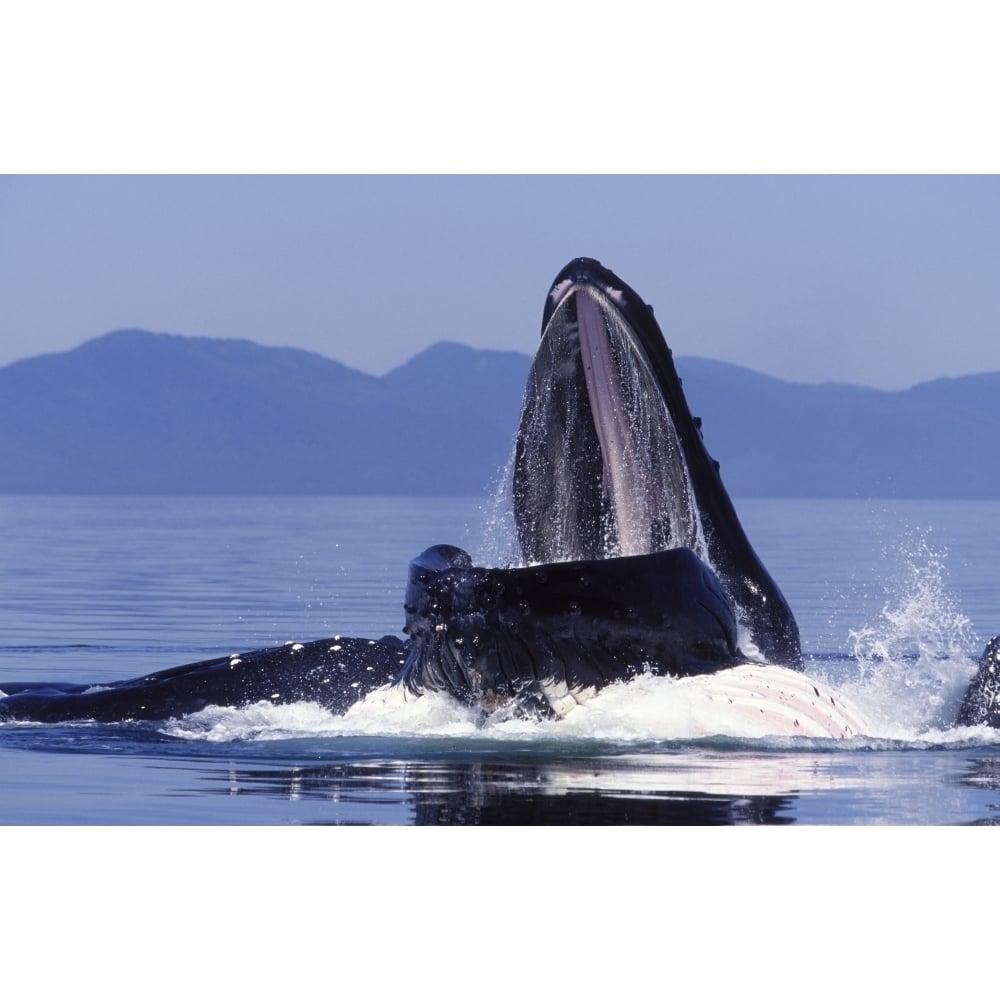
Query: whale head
pixel 609 461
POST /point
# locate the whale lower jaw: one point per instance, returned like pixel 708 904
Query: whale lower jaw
pixel 747 701
pixel 752 700
pixel 757 700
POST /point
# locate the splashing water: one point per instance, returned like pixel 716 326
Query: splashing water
pixel 498 545
pixel 388 711
pixel 913 663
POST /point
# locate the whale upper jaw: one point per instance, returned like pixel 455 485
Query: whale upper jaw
pixel 599 469
pixel 610 462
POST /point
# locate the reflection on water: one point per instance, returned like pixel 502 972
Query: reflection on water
pixel 688 787
pixel 496 793
pixel 138 776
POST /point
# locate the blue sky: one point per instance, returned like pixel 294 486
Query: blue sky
pixel 879 280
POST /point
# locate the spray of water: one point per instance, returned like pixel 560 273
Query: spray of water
pixel 498 545
pixel 913 662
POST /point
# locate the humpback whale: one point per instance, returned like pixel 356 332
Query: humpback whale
pixel 635 558
pixel 632 560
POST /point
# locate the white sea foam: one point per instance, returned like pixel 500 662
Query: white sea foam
pixel 389 711
pixel 746 703
pixel 750 702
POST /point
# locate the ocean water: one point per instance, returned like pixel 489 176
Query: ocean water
pixel 894 601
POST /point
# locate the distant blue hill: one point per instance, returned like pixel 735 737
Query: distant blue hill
pixel 135 412
pixel 936 440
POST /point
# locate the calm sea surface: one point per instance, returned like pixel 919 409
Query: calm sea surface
pixel 894 602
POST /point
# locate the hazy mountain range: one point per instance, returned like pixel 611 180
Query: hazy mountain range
pixel 134 412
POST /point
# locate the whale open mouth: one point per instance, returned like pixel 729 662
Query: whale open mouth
pixel 599 469
pixel 609 461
